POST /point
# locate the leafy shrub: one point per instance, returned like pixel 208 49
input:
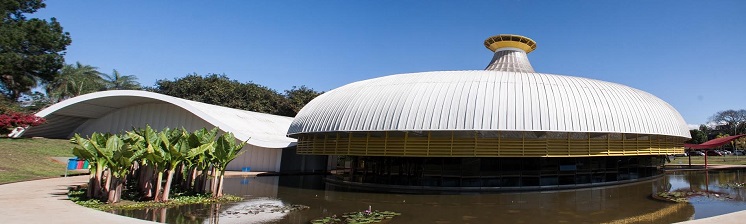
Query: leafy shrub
pixel 364 217
pixel 10 120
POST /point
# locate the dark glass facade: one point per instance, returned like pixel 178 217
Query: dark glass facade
pixel 475 172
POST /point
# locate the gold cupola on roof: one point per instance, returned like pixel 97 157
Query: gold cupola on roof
pixel 510 53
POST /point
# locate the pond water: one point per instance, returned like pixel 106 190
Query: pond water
pixel 630 203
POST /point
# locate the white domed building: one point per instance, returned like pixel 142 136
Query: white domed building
pixel 503 128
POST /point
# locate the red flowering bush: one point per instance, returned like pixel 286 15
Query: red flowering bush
pixel 10 120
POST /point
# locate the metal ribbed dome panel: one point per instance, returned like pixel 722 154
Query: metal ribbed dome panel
pixel 488 100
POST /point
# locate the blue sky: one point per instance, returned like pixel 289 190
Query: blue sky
pixel 692 54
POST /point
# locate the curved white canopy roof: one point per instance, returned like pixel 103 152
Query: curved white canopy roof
pixel 263 130
pixel 488 100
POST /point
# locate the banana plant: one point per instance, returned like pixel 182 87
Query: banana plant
pixel 200 142
pixel 88 150
pixel 226 150
pixel 148 143
pixel 175 143
pixel 119 158
pixel 200 157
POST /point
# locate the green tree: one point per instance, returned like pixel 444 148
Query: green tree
pixel 729 120
pixel 34 101
pixel 74 80
pixel 299 97
pixel 698 136
pixel 220 90
pixel 31 50
pixel 7 105
pixel 117 81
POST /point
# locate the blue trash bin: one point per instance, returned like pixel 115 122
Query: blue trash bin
pixel 246 169
pixel 72 163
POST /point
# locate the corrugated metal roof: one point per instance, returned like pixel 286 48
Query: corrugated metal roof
pixel 510 60
pixel 263 130
pixel 488 100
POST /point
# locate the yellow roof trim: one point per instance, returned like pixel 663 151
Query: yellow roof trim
pixel 510 40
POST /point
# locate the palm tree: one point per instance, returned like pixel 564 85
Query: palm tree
pixel 74 80
pixel 119 81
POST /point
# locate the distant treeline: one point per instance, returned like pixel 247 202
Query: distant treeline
pixel 722 124
pixel 221 90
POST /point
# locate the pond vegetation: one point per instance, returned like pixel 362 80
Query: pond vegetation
pixel 367 216
pixel 682 196
pixel 132 203
pixel 734 185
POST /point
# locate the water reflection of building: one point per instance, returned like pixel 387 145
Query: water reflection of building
pixel 502 128
pixel 616 204
pixel 252 186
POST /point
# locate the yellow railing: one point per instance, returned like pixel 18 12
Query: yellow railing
pixel 502 144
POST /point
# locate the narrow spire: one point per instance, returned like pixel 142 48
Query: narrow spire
pixel 510 53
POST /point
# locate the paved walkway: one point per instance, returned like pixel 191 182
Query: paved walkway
pixel 734 218
pixel 45 201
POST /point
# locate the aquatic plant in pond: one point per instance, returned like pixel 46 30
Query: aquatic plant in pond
pixel 733 185
pixel 367 216
pixel 682 196
pixel 79 197
pixel 264 208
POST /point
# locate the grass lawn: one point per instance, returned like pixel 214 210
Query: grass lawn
pixel 29 159
pixel 724 160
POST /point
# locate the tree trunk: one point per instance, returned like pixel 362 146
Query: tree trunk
pixel 115 190
pixel 158 186
pixel 179 176
pixel 214 185
pixel 205 180
pixel 198 182
pixel 190 179
pixel 107 186
pixel 97 181
pixel 219 192
pixel 91 183
pixel 167 187
pixel 197 185
pixel 119 188
pixel 146 181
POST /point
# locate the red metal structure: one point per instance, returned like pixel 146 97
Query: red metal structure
pixel 711 145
